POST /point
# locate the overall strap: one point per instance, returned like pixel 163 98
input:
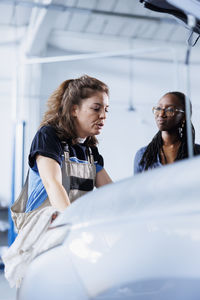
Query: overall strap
pixel 65 149
pixel 90 156
pixel 19 206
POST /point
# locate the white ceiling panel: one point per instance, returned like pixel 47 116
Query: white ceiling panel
pixel 71 2
pixel 135 28
pixel 163 32
pixel 63 20
pixel 126 6
pixel 125 29
pixel 106 5
pixel 14 15
pixel 113 25
pixel 77 21
pixel 96 24
pixel 90 4
pixel 21 15
pixel 102 19
pixel 179 35
pixel 160 32
pixel 8 35
pixel 6 13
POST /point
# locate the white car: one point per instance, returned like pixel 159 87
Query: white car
pixel 135 239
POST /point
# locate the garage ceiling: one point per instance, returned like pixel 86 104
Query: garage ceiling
pixel 84 25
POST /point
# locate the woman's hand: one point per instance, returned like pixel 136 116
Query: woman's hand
pixel 54 216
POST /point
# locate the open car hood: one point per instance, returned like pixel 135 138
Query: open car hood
pixel 177 8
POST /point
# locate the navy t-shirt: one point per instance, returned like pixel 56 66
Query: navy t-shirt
pixel 47 143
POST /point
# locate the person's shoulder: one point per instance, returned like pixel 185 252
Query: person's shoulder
pixel 97 156
pixel 47 129
pixel 94 150
pixel 46 143
pixel 48 132
pixel 138 156
pixel 46 137
pixel 141 151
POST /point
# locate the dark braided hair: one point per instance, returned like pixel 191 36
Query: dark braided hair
pixel 154 147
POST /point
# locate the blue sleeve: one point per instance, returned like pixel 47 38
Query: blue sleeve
pixel 98 167
pixel 138 156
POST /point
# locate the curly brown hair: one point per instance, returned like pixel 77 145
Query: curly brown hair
pixel 71 92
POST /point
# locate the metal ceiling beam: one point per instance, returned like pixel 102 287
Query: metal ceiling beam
pixel 73 9
pixel 39 28
pixel 76 57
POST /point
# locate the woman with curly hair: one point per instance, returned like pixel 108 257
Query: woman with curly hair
pixel 64 159
pixel 64 165
pixel 170 142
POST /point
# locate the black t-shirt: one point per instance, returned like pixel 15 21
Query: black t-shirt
pixel 47 143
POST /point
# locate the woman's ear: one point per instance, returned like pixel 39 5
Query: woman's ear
pixel 74 110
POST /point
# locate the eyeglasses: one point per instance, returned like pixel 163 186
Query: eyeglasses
pixel 169 111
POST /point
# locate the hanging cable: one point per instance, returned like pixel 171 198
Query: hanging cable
pixel 191 23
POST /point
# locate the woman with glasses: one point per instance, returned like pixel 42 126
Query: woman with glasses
pixel 170 142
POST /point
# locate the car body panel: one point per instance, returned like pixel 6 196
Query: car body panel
pixel 136 239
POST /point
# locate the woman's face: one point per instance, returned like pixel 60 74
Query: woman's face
pixel 169 123
pixel 90 115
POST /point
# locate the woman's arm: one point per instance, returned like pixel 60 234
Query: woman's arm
pixel 51 175
pixel 102 178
